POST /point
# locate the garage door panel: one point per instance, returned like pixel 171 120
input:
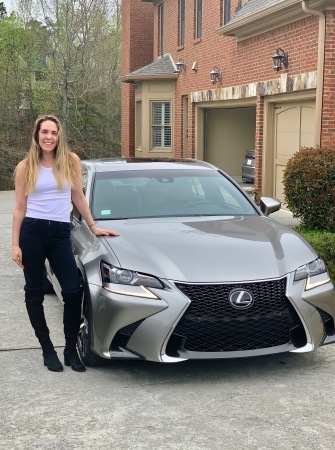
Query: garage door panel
pixel 287 126
pixel 294 128
pixel 279 182
pixel 307 126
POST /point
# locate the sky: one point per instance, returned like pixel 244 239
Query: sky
pixel 8 4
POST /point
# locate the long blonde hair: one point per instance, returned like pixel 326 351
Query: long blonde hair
pixel 65 169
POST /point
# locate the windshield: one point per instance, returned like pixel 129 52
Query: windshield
pixel 166 193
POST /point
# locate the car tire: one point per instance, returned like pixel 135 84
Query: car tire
pixel 84 341
pixel 47 285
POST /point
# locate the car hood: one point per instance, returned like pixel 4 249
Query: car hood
pixel 206 250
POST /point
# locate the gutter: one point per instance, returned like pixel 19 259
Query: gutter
pixel 266 18
pixel 149 77
pixel 320 69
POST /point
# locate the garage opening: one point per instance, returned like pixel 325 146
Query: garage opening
pixel 229 133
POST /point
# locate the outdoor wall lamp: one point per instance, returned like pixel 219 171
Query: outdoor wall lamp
pixel 278 58
pixel 180 65
pixel 215 74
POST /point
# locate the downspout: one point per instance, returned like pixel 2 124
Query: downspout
pixel 320 69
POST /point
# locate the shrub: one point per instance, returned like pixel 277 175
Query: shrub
pixel 324 244
pixel 309 187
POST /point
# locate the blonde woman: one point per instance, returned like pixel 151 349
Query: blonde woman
pixel 46 182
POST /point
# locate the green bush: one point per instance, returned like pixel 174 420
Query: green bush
pixel 324 244
pixel 309 187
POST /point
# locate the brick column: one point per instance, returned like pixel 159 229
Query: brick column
pixel 191 130
pixel 137 52
pixel 259 145
pixel 328 110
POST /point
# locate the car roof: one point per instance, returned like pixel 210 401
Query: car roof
pixel 136 163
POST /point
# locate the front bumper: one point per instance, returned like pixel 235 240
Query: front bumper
pixel 130 327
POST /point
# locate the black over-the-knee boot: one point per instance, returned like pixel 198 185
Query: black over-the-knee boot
pixel 34 303
pixel 72 320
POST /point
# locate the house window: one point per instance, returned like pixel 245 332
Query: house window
pixel 198 18
pixel 226 11
pixel 138 126
pixel 181 22
pixel 160 29
pixel 161 124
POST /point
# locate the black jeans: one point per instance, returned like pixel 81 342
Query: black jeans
pixel 41 239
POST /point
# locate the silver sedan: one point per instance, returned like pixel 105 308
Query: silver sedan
pixel 198 271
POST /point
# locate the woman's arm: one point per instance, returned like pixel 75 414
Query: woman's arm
pixel 81 204
pixel 18 213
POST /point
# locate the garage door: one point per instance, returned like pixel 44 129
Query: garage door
pixel 294 128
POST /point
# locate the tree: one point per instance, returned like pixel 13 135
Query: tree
pixel 84 63
pixel 15 111
pixel 60 57
pixel 3 11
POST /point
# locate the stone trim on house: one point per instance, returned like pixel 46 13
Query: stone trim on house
pixel 286 83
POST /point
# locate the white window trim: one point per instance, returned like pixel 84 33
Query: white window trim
pixel 162 126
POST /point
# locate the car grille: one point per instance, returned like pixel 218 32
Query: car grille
pixel 212 324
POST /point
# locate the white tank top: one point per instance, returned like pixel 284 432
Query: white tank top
pixel 47 201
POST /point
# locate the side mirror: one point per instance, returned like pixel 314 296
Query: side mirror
pixel 269 205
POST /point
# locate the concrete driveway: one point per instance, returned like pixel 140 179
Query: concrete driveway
pixel 275 402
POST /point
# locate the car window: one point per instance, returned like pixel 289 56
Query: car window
pixel 164 193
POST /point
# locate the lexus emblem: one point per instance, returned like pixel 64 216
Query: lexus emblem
pixel 240 298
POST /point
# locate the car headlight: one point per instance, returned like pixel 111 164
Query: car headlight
pixel 310 270
pixel 129 282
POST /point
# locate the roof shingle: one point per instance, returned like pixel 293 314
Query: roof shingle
pixel 253 6
pixel 162 66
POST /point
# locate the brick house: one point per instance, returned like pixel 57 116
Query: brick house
pixel 199 81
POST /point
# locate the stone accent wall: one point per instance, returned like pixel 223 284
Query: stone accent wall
pixel 286 83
